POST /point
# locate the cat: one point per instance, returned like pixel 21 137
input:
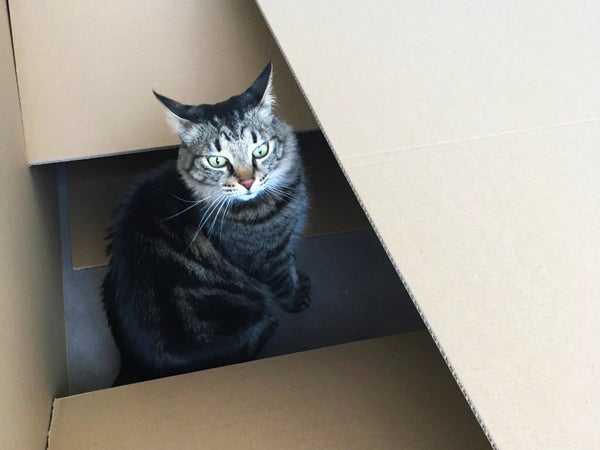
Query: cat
pixel 203 248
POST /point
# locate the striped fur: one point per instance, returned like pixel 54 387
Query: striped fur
pixel 200 255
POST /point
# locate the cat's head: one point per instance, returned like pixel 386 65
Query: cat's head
pixel 236 148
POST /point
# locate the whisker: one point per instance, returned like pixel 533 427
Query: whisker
pixel 204 218
pixel 209 211
pixel 229 202
pixel 194 238
pixel 281 192
pixel 212 225
pixel 187 201
pixel 195 203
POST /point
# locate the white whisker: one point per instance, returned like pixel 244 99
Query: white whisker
pixel 187 201
pixel 205 217
pixel 280 191
pixel 210 210
pixel 195 203
pixel 227 206
pixel 212 225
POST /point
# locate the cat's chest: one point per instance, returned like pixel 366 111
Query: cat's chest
pixel 251 247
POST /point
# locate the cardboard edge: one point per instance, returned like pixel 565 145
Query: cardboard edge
pixel 417 305
pixel 438 344
pixel 105 155
pixel 342 403
pixel 16 70
pixel 54 412
pixel 380 238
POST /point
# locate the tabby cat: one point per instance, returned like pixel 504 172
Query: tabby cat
pixel 202 248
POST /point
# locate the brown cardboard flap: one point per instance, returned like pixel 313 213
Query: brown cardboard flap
pixel 498 241
pixel 396 75
pixel 470 133
pixel 86 70
pixel 392 392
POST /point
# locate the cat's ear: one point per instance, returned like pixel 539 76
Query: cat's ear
pixel 262 89
pixel 179 118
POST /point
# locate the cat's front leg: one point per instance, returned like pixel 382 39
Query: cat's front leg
pixel 297 296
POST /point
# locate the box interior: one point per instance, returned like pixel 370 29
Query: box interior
pixel 356 292
pixel 314 392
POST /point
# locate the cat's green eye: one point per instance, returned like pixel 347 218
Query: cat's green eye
pixel 217 161
pixel 261 151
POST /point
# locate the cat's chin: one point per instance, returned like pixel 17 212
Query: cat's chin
pixel 247 196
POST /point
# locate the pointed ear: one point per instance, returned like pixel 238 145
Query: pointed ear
pixel 179 118
pixel 262 89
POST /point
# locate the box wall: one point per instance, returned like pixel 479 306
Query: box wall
pixel 391 392
pixel 32 349
pixel 94 65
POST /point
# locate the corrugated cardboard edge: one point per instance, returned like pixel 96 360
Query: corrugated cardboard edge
pixel 417 306
pixel 373 225
pixel 54 412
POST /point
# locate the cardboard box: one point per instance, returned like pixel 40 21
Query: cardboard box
pixel 470 134
pixel 392 391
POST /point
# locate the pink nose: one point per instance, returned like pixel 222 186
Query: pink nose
pixel 247 183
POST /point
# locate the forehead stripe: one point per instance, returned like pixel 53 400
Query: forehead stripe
pixel 217 145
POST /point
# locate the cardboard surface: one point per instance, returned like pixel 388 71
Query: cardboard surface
pixel 392 392
pixel 498 242
pixel 86 70
pixel 95 186
pixel 497 238
pixel 396 75
pixel 32 338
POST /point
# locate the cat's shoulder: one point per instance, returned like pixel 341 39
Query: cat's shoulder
pixel 150 192
pixel 154 183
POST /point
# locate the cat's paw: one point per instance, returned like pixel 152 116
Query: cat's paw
pixel 301 298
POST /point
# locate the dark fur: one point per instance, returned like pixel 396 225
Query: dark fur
pixel 181 297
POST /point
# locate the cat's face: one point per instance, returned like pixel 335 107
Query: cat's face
pixel 237 162
pixel 235 149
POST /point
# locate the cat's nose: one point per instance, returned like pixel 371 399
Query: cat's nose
pixel 247 183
